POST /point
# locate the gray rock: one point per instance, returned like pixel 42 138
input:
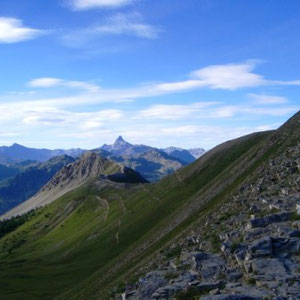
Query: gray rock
pixel 148 284
pixel 209 265
pixel 298 209
pixel 207 286
pixel 230 297
pixel 269 269
pixel 267 220
pixel 233 274
pixel 285 247
pixel 165 292
pixel 286 231
pixel 296 224
pixel 261 248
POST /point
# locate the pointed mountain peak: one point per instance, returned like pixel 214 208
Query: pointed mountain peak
pixel 120 140
pixel 15 145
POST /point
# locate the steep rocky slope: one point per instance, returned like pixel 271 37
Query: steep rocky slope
pixel 73 175
pixel 248 248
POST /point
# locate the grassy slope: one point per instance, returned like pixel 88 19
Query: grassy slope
pixel 75 249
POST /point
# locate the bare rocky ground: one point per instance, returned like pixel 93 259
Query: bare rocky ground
pixel 247 249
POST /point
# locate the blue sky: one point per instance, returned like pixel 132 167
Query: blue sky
pixel 194 73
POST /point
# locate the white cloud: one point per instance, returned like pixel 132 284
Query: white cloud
pixel 45 82
pixel 231 76
pixel 116 25
pixel 90 4
pixel 268 99
pixel 49 82
pixel 13 31
pixel 226 111
pixel 94 94
pixel 50 116
pixel 91 125
pixel 173 112
pixel 122 24
pixel 211 110
pixel 226 77
pixel 271 111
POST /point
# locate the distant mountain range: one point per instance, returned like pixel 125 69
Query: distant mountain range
pixel 151 162
pixel 25 181
pixel 24 171
pixel 18 153
pixel 123 148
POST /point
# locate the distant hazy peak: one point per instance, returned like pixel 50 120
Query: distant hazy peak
pixel 17 145
pixel 120 140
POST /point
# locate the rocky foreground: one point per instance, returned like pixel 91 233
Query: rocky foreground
pixel 248 249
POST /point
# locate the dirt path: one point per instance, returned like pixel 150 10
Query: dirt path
pixel 117 234
pixel 105 204
pixel 121 202
pixel 177 176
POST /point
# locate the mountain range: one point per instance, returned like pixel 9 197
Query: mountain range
pixel 27 181
pixel 18 153
pixel 223 227
pixel 26 170
pixel 152 167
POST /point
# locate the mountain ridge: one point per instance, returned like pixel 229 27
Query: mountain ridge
pixel 121 151
pixel 26 183
pixel 74 174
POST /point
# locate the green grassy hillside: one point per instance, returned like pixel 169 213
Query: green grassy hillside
pixel 84 243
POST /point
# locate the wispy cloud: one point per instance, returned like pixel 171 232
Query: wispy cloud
pixel 173 112
pixel 211 110
pixel 59 117
pixel 132 25
pixel 49 82
pixel 127 24
pixel 13 31
pixel 42 115
pixel 225 77
pixel 91 4
pixel 268 99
